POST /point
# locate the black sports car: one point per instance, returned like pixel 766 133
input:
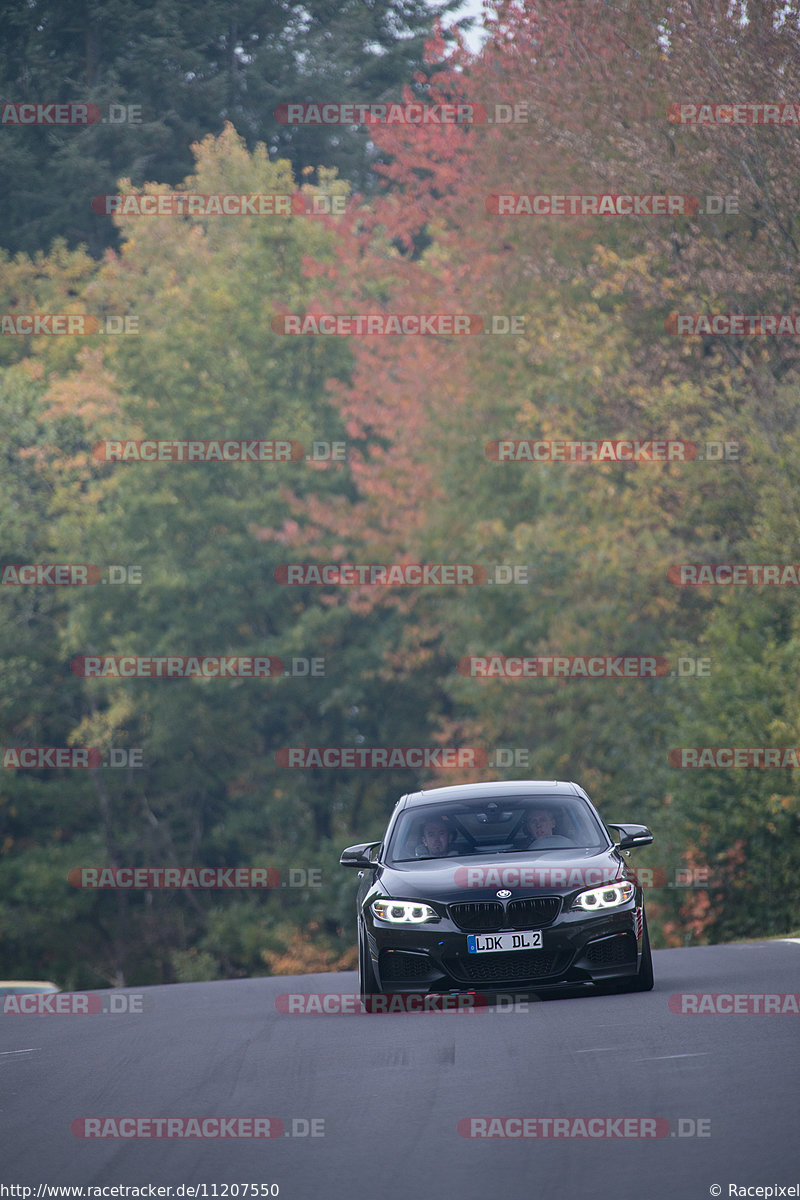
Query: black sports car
pixel 512 885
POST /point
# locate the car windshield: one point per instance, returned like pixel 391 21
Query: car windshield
pixel 497 825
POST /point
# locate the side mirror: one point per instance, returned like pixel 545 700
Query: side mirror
pixel 631 835
pixel 359 856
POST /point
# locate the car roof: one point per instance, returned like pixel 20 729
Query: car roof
pixel 495 788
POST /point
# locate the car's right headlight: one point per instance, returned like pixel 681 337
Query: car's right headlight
pixel 611 896
pixel 403 912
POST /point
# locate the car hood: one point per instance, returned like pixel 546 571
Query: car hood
pixel 480 877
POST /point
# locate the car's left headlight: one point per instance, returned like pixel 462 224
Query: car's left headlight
pixel 403 912
pixel 611 896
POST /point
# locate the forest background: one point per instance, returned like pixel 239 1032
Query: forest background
pixel 399 465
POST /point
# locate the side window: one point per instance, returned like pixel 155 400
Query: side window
pixel 411 842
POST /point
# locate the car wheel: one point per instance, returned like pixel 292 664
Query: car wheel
pixel 644 976
pixel 367 983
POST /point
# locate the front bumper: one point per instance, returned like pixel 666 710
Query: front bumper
pixel 577 948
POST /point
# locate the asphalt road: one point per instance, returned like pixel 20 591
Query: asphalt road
pixel 372 1104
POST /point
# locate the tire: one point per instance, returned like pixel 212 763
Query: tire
pixel 644 977
pixel 367 982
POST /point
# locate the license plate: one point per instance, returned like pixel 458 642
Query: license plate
pixel 483 943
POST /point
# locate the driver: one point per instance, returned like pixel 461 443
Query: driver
pixel 539 823
pixel 437 839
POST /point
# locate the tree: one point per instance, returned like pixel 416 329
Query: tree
pixel 186 68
